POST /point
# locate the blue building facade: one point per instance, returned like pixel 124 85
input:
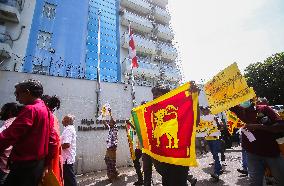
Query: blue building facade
pixel 63 39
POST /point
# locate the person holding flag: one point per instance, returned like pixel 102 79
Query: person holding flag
pixel 110 157
pixel 213 141
pixel 168 138
pixel 136 154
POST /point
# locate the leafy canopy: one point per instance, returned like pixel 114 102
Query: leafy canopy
pixel 267 78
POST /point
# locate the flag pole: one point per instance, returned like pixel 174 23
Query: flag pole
pixel 132 88
pixel 98 90
pixel 131 71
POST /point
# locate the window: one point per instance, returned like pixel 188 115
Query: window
pixel 40 69
pixel 44 40
pixel 49 10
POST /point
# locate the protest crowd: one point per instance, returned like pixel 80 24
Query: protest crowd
pixel 161 133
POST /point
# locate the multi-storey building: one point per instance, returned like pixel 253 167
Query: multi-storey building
pixel 62 39
pixel 153 38
pixel 15 23
pixel 56 41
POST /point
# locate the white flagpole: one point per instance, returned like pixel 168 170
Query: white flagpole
pixel 131 72
pixel 98 66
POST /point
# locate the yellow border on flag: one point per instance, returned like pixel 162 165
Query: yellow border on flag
pixel 191 161
pixel 172 93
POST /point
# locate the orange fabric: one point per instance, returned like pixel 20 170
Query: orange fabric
pixel 281 147
pixel 268 172
pixel 57 164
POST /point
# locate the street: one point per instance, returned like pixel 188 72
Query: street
pixel 202 173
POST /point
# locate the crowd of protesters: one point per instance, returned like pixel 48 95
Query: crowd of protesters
pixel 31 146
pixel 260 158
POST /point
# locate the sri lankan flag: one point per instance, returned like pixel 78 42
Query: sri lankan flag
pixel 233 121
pixel 131 138
pixel 166 126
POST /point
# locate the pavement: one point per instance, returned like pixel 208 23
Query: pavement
pixel 128 176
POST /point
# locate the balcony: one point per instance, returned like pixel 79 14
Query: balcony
pixel 140 6
pixel 6 44
pixel 172 74
pixel 161 15
pixel 164 32
pixel 142 45
pixel 10 10
pixel 167 52
pixel 160 3
pixel 145 68
pixel 137 22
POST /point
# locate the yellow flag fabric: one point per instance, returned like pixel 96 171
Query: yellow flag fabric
pixel 131 138
pixel 233 121
pixel 207 127
pixel 227 89
pixel 202 128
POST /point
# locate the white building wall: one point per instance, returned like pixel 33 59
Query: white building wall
pixel 202 97
pixel 78 97
pixel 14 29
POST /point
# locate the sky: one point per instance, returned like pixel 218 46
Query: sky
pixel 212 34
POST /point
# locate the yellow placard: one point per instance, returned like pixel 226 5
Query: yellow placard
pixel 207 128
pixel 227 89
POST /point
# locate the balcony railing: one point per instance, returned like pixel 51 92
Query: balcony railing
pixel 172 74
pixel 161 3
pixel 137 22
pixel 161 15
pixel 142 45
pixel 14 3
pixel 145 68
pixel 10 9
pixel 164 32
pixel 140 6
pixel 6 44
pixel 168 52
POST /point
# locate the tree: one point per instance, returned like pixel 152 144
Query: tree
pixel 267 78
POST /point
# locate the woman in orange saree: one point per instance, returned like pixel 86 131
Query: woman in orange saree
pixel 57 165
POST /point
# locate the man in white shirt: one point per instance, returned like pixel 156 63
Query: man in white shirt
pixel 213 141
pixel 68 141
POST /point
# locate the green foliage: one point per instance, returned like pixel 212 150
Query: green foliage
pixel 267 78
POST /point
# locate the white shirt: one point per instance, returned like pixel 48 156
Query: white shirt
pixel 69 136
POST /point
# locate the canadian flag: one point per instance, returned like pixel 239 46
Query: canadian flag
pixel 132 50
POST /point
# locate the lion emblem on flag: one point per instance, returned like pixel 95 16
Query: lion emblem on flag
pixel 168 128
